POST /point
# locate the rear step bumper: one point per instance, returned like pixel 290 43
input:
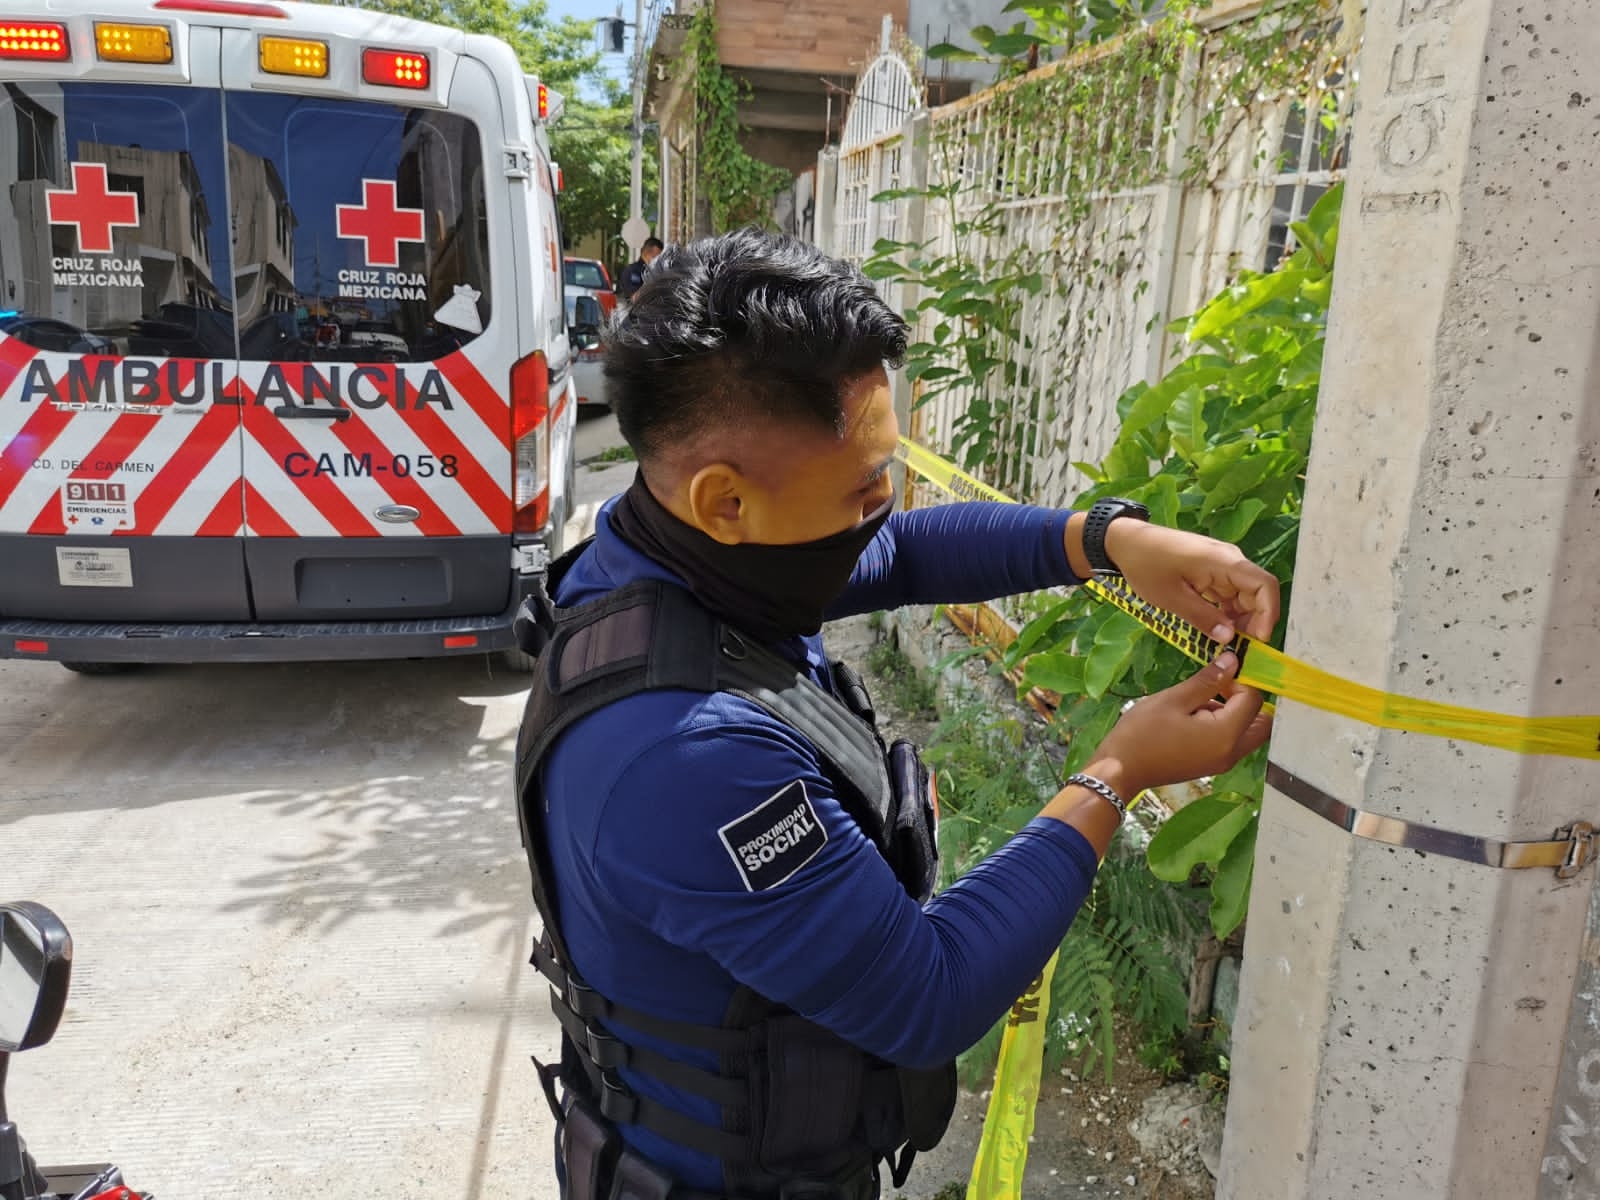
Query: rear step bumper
pixel 311 641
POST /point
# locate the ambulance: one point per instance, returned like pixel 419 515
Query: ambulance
pixel 284 366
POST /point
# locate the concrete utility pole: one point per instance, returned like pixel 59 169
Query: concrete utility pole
pixel 1413 1025
pixel 636 229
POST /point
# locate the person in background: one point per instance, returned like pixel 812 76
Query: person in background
pixel 633 274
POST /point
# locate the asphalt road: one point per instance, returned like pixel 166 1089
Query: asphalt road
pixel 301 919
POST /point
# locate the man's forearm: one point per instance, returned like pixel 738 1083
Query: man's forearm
pixel 960 554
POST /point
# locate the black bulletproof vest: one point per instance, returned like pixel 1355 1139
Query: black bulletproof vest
pixel 798 1103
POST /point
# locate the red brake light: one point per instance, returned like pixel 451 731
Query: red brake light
pixel 530 443
pixel 236 8
pixel 460 641
pixel 394 68
pixel 544 103
pixel 32 647
pixel 41 41
pixel 530 394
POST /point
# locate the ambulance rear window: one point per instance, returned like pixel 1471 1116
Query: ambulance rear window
pixel 358 231
pixel 114 220
pixel 365 222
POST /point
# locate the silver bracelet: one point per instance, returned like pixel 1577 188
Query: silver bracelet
pixel 1102 789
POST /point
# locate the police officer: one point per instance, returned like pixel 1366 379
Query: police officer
pixel 759 1000
pixel 633 274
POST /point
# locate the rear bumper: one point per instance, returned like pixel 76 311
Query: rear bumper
pixel 259 641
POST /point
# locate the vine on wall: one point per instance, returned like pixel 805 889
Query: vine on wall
pixel 740 187
pixel 1046 190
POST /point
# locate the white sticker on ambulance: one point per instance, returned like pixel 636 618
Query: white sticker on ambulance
pixel 88 506
pixel 94 568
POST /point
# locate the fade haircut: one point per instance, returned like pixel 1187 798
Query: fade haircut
pixel 743 328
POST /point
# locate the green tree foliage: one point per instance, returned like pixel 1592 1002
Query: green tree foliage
pixel 593 141
pixel 594 146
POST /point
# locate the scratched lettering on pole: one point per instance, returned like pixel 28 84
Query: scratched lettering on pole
pixel 1414 113
pixel 1570 1168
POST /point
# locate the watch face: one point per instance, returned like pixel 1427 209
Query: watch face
pixel 1128 508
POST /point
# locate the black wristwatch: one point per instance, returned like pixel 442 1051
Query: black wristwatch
pixel 1098 521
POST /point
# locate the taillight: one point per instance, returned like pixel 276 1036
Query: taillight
pixel 132 43
pixel 544 103
pixel 394 68
pixel 530 443
pixel 41 41
pixel 293 56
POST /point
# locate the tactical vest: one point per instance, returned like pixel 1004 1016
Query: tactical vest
pixel 800 1106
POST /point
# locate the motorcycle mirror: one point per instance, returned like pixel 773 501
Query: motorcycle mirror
pixel 35 970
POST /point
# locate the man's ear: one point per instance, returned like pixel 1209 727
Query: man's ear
pixel 718 502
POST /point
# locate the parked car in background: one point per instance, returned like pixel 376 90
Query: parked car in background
pixel 584 320
pixel 380 336
pixel 44 333
pixel 588 277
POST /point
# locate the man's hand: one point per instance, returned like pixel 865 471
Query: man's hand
pixel 1185 732
pixel 1179 734
pixel 1208 583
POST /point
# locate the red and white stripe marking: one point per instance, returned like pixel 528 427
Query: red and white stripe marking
pixel 219 468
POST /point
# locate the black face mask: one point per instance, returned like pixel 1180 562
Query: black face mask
pixel 770 592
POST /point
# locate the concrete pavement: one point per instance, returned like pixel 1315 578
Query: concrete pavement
pixel 301 918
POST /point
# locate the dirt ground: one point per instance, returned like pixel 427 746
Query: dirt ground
pixel 1083 1147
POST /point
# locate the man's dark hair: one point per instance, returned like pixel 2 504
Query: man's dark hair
pixel 744 327
pixel 652 243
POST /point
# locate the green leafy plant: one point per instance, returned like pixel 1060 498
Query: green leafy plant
pixel 909 689
pixel 1219 446
pixel 1057 29
pixel 1121 954
pixel 614 454
pixel 740 187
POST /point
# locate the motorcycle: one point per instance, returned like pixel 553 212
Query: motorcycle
pixel 35 971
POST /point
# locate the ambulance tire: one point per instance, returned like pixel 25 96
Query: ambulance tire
pixel 518 662
pixel 94 668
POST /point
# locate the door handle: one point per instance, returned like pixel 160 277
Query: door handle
pixel 303 412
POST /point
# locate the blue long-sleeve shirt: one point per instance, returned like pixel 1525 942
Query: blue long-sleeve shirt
pixel 649 800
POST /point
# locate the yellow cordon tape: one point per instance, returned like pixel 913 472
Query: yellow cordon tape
pixel 1273 671
pixel 1003 1152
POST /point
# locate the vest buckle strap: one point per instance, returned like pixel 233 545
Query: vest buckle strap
pixel 618 1103
pixel 606 1052
pixel 583 1000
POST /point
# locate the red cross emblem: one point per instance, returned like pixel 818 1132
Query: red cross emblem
pixel 92 207
pixel 379 223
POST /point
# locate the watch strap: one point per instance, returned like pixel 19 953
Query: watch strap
pixel 1098 521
